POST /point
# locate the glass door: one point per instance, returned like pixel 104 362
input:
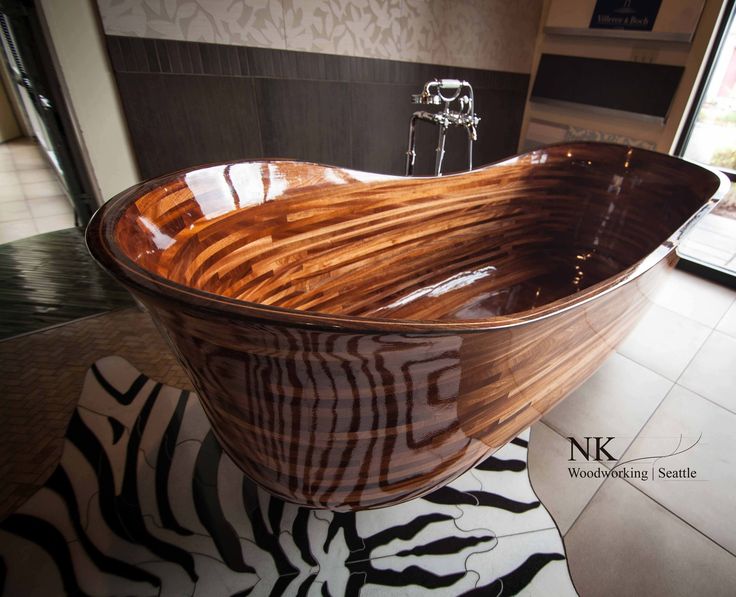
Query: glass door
pixel 710 138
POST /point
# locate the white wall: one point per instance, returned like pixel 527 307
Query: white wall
pixel 90 88
pixel 488 34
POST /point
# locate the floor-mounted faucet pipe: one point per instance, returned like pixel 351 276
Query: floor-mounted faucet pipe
pixel 440 151
pixel 448 92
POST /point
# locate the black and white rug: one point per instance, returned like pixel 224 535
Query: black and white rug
pixel 144 502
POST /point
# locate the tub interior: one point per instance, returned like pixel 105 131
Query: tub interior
pixel 497 241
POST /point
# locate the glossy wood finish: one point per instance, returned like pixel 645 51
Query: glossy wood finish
pixel 358 340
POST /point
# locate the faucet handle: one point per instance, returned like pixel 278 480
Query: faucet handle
pixel 426 98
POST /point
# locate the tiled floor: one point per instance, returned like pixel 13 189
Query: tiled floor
pixel 671 385
pixel 670 382
pixel 31 199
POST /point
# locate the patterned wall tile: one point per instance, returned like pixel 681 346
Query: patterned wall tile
pixel 521 19
pixel 421 31
pixel 487 34
pixel 238 22
pixel 368 28
pixel 577 133
pixel 544 132
pixel 491 34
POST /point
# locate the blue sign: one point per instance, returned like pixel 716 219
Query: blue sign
pixel 637 15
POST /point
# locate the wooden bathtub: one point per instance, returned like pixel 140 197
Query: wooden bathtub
pixel 358 340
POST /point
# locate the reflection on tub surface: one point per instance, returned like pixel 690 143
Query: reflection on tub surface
pixel 359 339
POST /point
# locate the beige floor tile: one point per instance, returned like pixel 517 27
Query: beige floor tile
pixel 10 231
pixel 49 206
pixel 24 146
pixel 11 192
pixel 626 544
pixel 11 211
pixel 43 188
pixel 563 496
pixel 9 178
pixel 727 325
pixel 57 222
pixel 712 373
pixel 693 297
pixel 708 501
pixel 615 402
pixel 29 163
pixel 664 341
pixel 42 174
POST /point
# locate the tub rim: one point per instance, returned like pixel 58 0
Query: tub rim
pixel 99 238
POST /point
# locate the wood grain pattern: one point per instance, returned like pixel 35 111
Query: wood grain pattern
pixel 359 339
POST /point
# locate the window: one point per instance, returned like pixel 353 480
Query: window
pixel 712 136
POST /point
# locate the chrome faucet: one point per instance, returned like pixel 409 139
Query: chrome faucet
pixel 436 93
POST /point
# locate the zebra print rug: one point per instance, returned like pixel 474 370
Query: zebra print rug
pixel 144 502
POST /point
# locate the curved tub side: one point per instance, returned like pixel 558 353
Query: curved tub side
pixel 351 420
pixel 335 420
pixel 509 385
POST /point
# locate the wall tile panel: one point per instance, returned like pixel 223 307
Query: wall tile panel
pixel 487 34
pixel 177 121
pixel 305 120
pixel 199 103
pixel 237 22
pixel 381 126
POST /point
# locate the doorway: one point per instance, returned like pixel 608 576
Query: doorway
pixel 28 63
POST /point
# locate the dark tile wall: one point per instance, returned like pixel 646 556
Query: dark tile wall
pixel 638 87
pixel 192 103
